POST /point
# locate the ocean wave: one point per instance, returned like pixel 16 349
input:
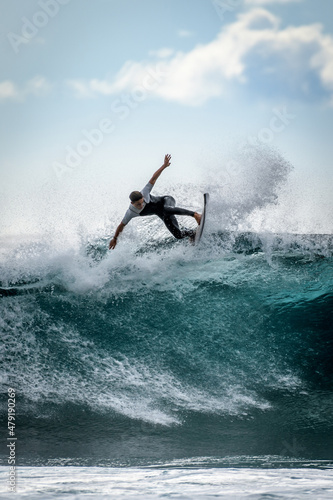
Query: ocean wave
pixel 230 342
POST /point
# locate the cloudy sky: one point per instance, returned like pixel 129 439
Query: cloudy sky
pixel 98 91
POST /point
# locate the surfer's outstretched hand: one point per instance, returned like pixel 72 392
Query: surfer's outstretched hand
pixel 167 161
pixel 112 244
pixel 158 172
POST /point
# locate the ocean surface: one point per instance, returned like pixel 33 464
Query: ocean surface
pixel 170 357
pixel 162 369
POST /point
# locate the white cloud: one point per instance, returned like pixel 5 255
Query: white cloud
pixel 38 86
pixel 8 90
pixel 323 61
pixel 80 88
pixel 251 48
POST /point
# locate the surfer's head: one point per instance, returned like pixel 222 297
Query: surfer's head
pixel 136 199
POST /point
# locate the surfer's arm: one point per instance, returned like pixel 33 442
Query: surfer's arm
pixel 158 172
pixel 113 242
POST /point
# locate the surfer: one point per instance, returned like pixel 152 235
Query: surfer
pixel 143 203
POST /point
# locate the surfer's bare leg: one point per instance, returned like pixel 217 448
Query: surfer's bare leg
pixel 197 217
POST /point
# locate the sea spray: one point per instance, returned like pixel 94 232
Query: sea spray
pixel 159 349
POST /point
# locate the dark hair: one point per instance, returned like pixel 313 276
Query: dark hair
pixel 135 196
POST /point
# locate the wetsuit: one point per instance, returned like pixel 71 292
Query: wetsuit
pixel 164 207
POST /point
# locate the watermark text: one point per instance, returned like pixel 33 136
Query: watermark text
pixel 11 444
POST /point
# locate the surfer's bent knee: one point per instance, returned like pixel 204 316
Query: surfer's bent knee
pixel 169 201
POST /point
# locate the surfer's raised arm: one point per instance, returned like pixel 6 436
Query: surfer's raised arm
pixel 158 172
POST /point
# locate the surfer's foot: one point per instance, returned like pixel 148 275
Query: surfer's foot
pixel 197 217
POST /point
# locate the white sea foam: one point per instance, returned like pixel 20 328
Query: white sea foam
pixel 184 483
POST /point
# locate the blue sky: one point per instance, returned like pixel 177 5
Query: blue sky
pixel 98 91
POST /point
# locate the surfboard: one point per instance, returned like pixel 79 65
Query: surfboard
pixel 200 228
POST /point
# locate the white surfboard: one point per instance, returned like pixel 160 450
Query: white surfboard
pixel 200 228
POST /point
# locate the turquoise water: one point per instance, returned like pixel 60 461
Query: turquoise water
pixel 167 351
pixel 163 370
